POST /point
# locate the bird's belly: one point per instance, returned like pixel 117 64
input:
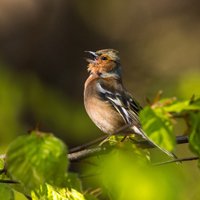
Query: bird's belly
pixel 104 116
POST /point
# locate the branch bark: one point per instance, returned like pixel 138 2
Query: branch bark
pixel 86 150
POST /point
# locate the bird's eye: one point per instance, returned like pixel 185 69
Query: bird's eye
pixel 104 58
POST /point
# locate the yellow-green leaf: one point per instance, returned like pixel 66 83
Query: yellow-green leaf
pixel 49 192
pixel 37 158
pixel 158 126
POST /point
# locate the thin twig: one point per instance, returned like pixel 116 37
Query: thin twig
pixel 9 181
pixel 86 145
pixel 176 160
pixel 182 139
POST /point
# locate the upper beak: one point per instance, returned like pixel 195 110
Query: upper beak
pixel 94 56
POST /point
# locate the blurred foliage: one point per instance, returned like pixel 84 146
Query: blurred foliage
pixel 188 84
pixel 26 103
pixel 57 111
pixel 11 101
pixel 124 176
pixel 1 163
pixel 6 193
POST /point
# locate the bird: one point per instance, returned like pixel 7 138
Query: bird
pixel 109 105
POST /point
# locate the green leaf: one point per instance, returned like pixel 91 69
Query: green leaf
pixel 37 158
pixel 49 192
pixel 194 139
pixel 158 126
pixel 181 106
pixel 6 193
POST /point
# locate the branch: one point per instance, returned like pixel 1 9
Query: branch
pixel 181 139
pixel 9 181
pixel 76 156
pixel 89 144
pixel 176 160
pixel 97 140
pixel 85 151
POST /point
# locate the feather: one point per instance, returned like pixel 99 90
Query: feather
pixel 144 135
pixel 128 108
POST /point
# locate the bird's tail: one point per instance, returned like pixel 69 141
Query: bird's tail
pixel 144 135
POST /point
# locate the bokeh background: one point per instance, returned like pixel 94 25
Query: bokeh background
pixel 42 65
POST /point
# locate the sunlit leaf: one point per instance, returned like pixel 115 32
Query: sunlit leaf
pixel 158 126
pixel 185 105
pixel 37 158
pixel 53 193
pixel 6 192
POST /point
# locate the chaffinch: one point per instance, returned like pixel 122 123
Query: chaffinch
pixel 107 102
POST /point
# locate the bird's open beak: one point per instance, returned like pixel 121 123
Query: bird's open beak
pixel 93 56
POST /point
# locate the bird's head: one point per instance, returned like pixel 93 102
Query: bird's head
pixel 105 63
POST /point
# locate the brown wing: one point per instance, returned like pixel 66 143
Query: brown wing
pixel 121 100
